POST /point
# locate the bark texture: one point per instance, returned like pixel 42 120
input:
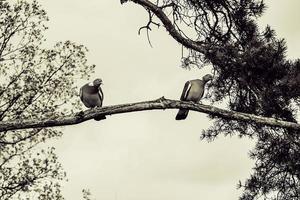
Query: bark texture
pixel 159 104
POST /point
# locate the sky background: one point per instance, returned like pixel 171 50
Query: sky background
pixel 147 155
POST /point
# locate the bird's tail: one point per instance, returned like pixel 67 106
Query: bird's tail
pixel 100 117
pixel 182 114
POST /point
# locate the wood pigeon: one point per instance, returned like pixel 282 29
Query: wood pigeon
pixel 91 95
pixel 193 91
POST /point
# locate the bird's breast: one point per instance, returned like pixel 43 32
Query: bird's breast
pixel 196 92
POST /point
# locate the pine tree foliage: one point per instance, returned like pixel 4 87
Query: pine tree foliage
pixel 252 75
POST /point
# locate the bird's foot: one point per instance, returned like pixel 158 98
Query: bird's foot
pixel 99 117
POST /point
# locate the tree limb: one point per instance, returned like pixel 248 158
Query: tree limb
pixel 158 11
pixel 159 104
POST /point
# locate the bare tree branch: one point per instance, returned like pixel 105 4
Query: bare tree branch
pixel 158 11
pixel 159 104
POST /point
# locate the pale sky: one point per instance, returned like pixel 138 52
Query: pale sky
pixel 147 155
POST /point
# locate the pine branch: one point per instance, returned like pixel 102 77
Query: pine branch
pixel 159 104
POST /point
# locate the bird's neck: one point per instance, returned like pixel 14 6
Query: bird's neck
pixel 91 84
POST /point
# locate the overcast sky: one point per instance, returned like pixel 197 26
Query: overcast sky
pixel 147 155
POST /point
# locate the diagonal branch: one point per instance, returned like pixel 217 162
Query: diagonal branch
pixel 159 13
pixel 159 104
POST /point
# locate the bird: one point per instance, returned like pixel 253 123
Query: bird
pixel 193 91
pixel 92 96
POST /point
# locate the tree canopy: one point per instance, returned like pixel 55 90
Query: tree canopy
pixel 251 75
pixel 36 82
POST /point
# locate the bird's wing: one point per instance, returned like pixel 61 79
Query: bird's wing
pixel 80 94
pixel 101 96
pixel 186 90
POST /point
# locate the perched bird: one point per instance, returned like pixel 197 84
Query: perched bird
pixel 91 95
pixel 193 91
